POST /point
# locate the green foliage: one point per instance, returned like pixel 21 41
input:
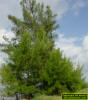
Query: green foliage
pixel 25 62
pixel 60 75
pixel 32 57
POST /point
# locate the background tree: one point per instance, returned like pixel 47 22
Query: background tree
pixel 32 57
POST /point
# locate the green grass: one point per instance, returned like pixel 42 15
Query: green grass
pixel 75 99
pixel 83 91
pixel 43 97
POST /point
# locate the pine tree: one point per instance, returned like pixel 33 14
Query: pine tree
pixel 32 57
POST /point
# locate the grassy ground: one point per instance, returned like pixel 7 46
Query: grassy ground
pixel 47 98
pixel 56 97
pixel 83 91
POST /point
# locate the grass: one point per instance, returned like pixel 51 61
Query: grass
pixel 83 91
pixel 43 97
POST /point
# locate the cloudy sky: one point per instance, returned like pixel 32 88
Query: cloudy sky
pixel 73 31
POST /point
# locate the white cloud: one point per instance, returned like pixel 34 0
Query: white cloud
pixel 79 4
pixel 4 33
pixel 9 35
pixel 85 42
pixel 68 46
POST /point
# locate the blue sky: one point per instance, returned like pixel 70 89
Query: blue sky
pixel 73 25
pixel 73 31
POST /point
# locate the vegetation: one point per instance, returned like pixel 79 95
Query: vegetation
pixel 43 97
pixel 33 63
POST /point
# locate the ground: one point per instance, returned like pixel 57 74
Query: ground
pixel 56 97
pixel 47 98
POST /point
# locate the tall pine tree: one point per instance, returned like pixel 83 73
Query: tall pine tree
pixel 32 58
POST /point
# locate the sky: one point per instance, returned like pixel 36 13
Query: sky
pixel 72 33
